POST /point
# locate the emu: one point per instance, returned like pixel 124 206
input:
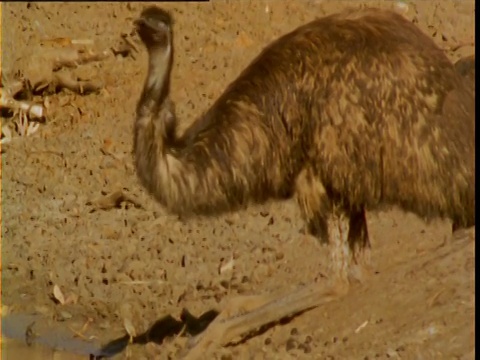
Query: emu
pixel 351 112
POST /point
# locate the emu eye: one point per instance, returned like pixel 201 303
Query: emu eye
pixel 152 23
pixel 155 19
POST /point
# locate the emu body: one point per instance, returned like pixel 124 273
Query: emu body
pixel 353 103
pixel 353 111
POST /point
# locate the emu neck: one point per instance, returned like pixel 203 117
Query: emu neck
pixel 156 86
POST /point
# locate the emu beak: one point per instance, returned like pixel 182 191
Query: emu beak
pixel 137 23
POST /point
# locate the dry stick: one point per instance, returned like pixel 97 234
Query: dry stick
pixel 63 41
pixel 14 88
pixel 223 330
pixel 112 200
pixel 72 58
pixel 459 45
pixel 32 109
pixel 67 81
pixel 130 42
pixel 80 333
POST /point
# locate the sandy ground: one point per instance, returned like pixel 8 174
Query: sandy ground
pixel 134 263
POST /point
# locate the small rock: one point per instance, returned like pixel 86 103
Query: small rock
pixel 104 325
pixel 65 315
pixel 43 310
pixel 307 349
pixel 291 344
pixel 392 354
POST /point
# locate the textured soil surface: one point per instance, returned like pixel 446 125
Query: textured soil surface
pixel 126 266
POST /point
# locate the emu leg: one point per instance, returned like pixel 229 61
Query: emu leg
pixel 359 243
pixel 314 204
pixel 267 309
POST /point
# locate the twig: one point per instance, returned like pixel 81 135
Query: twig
pixel 458 46
pixel 357 330
pixel 84 328
pixel 30 335
pixel 142 282
pixel 30 108
pixel 113 200
pixel 72 58
pixel 82 87
pixel 130 42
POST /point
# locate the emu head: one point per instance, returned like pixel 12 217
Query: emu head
pixel 155 28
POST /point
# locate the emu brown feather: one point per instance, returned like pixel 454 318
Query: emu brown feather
pixel 356 110
pixel 350 112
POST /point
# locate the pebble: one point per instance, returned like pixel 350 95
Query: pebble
pixel 291 344
pixel 305 347
pixel 65 315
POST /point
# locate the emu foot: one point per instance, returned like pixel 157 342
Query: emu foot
pixel 360 266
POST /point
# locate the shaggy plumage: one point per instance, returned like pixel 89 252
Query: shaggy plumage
pixel 349 112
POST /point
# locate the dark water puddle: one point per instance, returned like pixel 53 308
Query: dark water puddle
pixel 32 330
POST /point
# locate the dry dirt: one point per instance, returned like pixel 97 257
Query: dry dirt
pixel 134 263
